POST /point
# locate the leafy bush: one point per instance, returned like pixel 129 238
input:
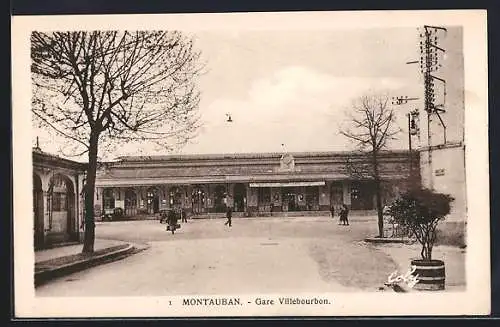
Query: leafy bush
pixel 420 210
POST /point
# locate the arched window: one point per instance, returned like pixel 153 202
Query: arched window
pixel 198 199
pixel 108 198
pixel 60 206
pixel 175 197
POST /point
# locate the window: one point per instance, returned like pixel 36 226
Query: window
pixel 108 199
pixel 312 197
pixel 130 199
pixel 264 195
pixel 175 196
pixel 109 203
pixel 59 201
pixel 362 194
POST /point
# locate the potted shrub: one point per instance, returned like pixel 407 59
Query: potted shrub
pixel 419 211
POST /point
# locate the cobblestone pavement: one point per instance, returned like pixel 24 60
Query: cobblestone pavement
pixel 265 255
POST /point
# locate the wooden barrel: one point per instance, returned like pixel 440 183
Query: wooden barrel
pixel 431 275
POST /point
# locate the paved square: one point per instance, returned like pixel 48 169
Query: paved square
pixel 256 255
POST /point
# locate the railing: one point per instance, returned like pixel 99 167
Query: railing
pixel 392 229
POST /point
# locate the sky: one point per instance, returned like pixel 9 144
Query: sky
pixel 290 88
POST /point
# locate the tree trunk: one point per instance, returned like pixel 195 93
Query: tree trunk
pixel 89 236
pixel 378 195
pixel 427 251
pixel 380 214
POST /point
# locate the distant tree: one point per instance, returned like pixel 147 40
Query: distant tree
pixel 371 123
pixel 101 89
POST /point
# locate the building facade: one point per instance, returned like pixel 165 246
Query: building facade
pixel 57 201
pixel 258 184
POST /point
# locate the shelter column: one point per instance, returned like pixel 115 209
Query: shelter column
pixel 98 200
pixel 46 204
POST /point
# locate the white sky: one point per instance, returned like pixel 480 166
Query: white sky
pixel 291 87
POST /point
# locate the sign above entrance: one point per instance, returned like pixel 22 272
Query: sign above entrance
pixel 287 184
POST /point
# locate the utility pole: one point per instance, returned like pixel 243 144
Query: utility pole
pixel 429 63
pixel 412 127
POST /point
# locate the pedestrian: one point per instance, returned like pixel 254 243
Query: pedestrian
pixel 332 211
pixel 229 214
pixel 172 220
pixel 163 216
pixel 344 212
pixel 183 216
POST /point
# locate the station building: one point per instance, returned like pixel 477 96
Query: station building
pixel 257 184
pixel 57 200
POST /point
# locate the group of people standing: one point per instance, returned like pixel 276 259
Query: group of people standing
pixel 343 214
pixel 171 216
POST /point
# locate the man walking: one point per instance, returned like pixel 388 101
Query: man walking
pixel 229 214
pixel 344 212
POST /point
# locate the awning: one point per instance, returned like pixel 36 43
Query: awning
pixel 287 184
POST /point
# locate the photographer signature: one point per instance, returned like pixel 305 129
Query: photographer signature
pixel 408 279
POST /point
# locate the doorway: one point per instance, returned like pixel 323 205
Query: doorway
pixel 176 197
pixel 336 195
pixel 219 196
pixel 239 197
pixel 289 199
pixel 61 209
pixel 130 202
pixel 153 200
pixel 362 195
pixel 198 199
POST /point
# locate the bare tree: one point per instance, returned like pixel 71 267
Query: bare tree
pixel 104 88
pixel 371 125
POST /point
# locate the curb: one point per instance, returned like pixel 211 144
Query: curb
pixel 44 276
pixel 385 240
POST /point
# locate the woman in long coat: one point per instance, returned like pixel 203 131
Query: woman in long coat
pixel 172 220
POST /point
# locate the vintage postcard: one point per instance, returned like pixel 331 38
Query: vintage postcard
pixel 251 164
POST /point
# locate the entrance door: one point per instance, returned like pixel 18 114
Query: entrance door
pixel 289 199
pixel 152 198
pixel 239 197
pixel 198 200
pixel 362 196
pixel 219 196
pixel 336 195
pixel 156 204
pixel 62 216
pixel 176 197
pixel 292 206
pixel 130 203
